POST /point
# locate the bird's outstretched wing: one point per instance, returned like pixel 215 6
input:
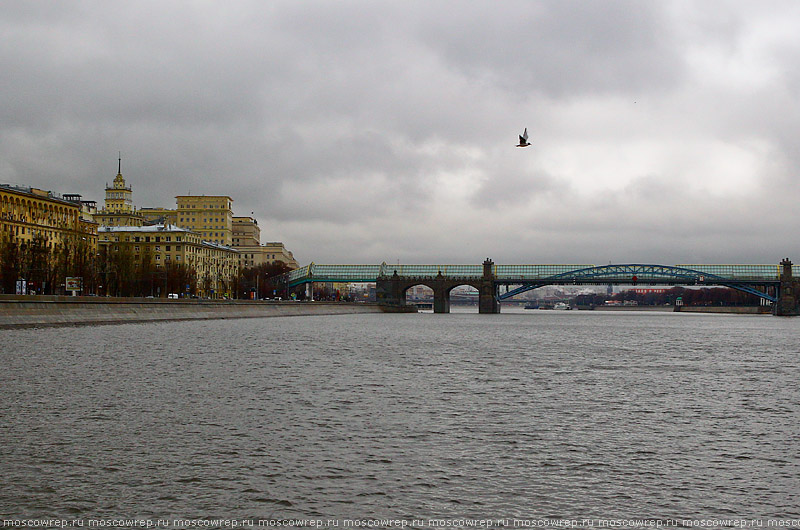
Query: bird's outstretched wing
pixel 523 139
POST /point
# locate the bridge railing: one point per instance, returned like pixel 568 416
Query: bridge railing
pixel 299 273
pixel 424 271
pixel 740 272
pixel 533 272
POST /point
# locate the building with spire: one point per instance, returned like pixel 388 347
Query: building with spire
pixel 118 209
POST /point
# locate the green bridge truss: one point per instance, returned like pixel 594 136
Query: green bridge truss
pixel 749 278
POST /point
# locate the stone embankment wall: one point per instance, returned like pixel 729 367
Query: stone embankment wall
pixel 742 310
pixel 44 311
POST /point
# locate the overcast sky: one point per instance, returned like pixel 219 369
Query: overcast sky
pixel 365 131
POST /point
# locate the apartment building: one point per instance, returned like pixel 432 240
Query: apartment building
pixel 247 239
pixel 28 213
pixel 159 216
pixel 246 232
pixel 215 266
pixel 211 216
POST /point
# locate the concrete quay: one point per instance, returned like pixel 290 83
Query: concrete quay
pixel 50 311
pixel 738 310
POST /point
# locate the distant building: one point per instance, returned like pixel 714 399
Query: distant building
pixel 159 216
pixel 201 232
pixel 27 213
pixel 276 251
pixel 215 266
pixel 211 216
pixel 639 290
pixel 247 239
pixel 246 232
pixel 266 254
pixel 118 209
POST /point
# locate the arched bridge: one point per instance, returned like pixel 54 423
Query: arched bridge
pixel 771 282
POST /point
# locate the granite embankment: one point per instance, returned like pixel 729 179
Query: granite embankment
pixel 45 311
pixel 739 310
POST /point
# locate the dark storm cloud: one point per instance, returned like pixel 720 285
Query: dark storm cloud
pixel 364 131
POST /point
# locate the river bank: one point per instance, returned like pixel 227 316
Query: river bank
pixel 49 311
pixel 739 310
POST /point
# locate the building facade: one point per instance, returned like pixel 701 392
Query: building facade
pixel 246 232
pixel 275 251
pixel 27 213
pixel 215 267
pixel 44 239
pixel 247 239
pixel 159 216
pixel 211 216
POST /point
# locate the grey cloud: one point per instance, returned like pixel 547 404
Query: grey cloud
pixel 562 48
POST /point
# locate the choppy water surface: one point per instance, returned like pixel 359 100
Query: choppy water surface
pixel 534 414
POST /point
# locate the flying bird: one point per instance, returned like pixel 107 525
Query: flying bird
pixel 523 139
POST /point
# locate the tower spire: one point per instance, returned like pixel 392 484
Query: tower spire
pixel 119 167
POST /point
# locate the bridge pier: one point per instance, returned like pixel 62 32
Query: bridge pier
pixel 789 292
pixel 441 299
pixel 487 291
pixel 389 292
pixel 487 299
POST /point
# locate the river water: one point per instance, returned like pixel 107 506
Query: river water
pixel 527 414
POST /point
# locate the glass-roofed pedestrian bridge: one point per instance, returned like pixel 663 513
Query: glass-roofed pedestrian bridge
pixel 393 280
pixel 544 274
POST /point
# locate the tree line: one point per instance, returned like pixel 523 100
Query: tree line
pixel 705 296
pixel 45 266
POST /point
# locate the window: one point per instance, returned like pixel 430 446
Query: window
pixel 167 248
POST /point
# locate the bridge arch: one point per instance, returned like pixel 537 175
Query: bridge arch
pixel 441 287
pixel 633 274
